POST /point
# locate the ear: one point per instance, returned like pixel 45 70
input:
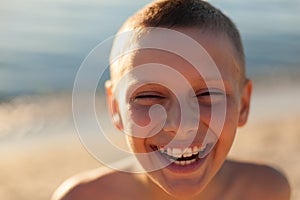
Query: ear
pixel 113 105
pixel 245 103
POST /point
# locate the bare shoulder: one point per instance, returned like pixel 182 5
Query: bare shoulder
pixel 101 183
pixel 260 181
pixel 81 184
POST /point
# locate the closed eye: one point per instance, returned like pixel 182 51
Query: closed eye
pixel 209 93
pixel 148 98
pixel 209 97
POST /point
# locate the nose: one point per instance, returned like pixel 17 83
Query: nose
pixel 182 119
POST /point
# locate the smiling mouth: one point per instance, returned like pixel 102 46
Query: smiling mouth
pixel 186 156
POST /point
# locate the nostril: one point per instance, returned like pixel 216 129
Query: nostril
pixel 171 126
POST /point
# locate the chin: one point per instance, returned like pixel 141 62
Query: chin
pixel 184 181
pixel 178 184
pixel 183 191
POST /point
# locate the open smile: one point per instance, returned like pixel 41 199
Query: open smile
pixel 183 156
pixel 184 160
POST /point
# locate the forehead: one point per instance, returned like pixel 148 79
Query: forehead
pixel 217 53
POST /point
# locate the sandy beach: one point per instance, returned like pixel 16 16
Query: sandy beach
pixel 32 166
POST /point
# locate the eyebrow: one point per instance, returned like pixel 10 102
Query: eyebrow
pixel 212 82
pixel 225 84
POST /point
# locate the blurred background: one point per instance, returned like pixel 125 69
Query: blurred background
pixel 43 43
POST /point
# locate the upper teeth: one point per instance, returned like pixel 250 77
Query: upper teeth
pixel 179 152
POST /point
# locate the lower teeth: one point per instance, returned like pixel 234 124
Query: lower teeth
pixel 183 162
pixel 187 162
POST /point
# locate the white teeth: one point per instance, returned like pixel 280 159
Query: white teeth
pixel 177 162
pixel 195 150
pixel 203 148
pixel 177 152
pixel 161 149
pixel 187 152
pixel 182 163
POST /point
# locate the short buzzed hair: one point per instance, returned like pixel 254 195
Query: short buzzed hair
pixel 185 14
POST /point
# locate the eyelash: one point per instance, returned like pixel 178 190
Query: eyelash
pixel 208 93
pixel 207 97
pixel 211 97
pixel 149 96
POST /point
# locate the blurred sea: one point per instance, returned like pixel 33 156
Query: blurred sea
pixel 43 42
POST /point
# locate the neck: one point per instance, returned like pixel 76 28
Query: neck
pixel 214 189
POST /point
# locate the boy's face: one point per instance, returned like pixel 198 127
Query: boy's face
pixel 190 175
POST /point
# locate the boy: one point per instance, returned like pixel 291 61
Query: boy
pixel 185 154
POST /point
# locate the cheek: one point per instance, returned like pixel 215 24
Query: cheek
pixel 215 119
pixel 133 117
pixel 229 128
pixel 139 115
pixel 223 125
pixel 136 116
pixel 232 113
pixel 220 115
pixel 137 145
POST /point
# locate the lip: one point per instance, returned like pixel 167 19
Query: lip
pixel 184 169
